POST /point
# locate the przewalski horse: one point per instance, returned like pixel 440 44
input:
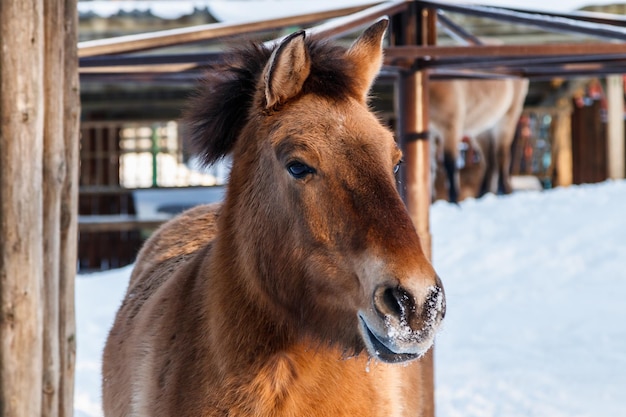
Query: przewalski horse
pixel 461 108
pixel 306 293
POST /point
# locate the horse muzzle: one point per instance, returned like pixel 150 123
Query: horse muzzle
pixel 399 328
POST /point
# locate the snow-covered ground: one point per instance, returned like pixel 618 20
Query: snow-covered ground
pixel 536 322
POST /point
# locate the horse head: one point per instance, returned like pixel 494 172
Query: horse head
pixel 326 244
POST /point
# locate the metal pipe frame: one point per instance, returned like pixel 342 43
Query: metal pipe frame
pixel 552 23
pixel 160 39
pixel 456 31
pixel 532 61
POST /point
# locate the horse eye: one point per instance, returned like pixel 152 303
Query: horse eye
pixel 397 167
pixel 299 170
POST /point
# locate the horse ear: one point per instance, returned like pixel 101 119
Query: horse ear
pixel 367 55
pixel 287 69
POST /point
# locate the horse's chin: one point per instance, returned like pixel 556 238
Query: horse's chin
pixel 381 348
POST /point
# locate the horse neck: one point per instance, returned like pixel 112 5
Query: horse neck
pixel 243 324
pixel 271 368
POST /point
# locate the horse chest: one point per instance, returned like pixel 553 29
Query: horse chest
pixel 315 386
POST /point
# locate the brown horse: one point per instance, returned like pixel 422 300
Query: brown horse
pixel 461 108
pixel 307 292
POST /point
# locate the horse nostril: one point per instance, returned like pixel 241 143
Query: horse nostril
pixel 393 301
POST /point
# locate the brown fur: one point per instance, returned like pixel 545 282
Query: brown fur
pixel 471 107
pixel 265 305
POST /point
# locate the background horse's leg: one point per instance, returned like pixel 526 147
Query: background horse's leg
pixel 452 136
pixel 504 166
pixel 506 133
pixel 487 146
pixel 452 174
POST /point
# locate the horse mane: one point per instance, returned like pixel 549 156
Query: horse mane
pixel 222 104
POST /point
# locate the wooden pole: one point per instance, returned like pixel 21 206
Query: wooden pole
pixel 562 147
pixel 69 212
pixel 615 126
pixel 39 107
pixel 53 179
pixel 417 28
pixel 21 207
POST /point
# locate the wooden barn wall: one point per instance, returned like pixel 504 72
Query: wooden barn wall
pixel 589 144
pixel 103 195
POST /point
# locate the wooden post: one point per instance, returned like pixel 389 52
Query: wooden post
pixel 53 179
pixel 562 147
pixel 21 207
pixel 69 212
pixel 417 27
pixel 615 126
pixel 39 107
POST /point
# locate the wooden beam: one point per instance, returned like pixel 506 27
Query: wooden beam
pixel 115 223
pixel 139 69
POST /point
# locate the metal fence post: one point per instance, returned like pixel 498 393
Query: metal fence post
pixel 416 27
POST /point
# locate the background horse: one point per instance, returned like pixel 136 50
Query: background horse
pixel 276 302
pixel 461 108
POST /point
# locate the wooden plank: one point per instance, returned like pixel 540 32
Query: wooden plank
pixel 142 69
pixel 21 202
pixel 117 222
